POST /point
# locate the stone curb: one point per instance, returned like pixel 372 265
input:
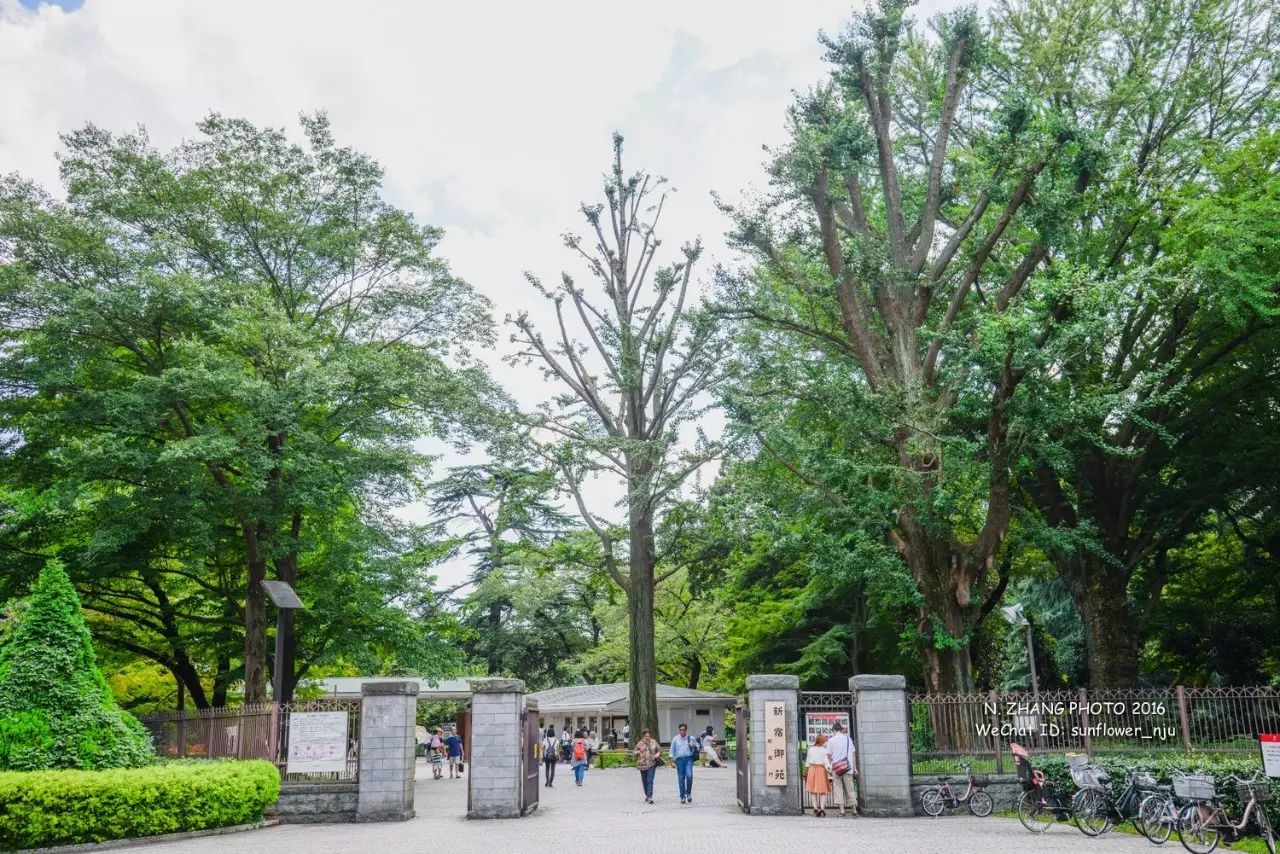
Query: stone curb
pixel 150 840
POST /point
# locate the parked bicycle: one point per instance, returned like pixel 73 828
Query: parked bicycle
pixel 1039 807
pixel 1204 822
pixel 942 797
pixel 1159 814
pixel 1094 808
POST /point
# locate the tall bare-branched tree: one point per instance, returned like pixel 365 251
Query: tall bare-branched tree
pixel 633 367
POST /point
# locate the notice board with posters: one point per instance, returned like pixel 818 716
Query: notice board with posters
pixel 775 744
pixel 1270 744
pixel 820 723
pixel 317 742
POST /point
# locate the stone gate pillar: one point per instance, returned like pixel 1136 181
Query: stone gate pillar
pixel 884 744
pixel 388 711
pixel 767 797
pixel 497 741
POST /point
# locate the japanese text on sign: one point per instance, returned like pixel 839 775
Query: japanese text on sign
pixel 317 742
pixel 775 744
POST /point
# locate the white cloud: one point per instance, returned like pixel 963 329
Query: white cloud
pixel 492 119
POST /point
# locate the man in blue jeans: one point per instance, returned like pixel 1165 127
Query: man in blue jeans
pixel 684 750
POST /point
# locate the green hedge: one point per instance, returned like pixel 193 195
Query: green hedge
pixel 41 808
pixel 616 759
pixel 1162 766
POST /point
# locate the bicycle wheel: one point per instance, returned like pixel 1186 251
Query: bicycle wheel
pixel 1155 814
pixel 931 802
pixel 1032 812
pixel 980 804
pixel 1195 831
pixel 1091 812
pixel 1264 829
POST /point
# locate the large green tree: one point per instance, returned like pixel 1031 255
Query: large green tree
pixel 633 359
pixel 223 355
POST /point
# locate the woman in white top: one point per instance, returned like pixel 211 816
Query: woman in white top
pixel 817 780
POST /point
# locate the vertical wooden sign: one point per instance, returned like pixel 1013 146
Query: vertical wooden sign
pixel 775 744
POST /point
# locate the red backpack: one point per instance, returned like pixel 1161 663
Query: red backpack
pixel 579 749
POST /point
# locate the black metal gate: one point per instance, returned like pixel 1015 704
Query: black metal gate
pixel 824 707
pixel 530 761
pixel 742 726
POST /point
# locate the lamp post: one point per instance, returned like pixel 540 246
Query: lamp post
pixel 1015 615
pixel 286 602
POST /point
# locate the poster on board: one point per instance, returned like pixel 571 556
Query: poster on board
pixel 317 742
pixel 820 723
pixel 1270 744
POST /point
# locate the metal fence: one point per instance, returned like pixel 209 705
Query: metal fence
pixel 947 729
pixel 254 731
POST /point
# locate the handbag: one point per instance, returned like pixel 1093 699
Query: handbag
pixel 840 767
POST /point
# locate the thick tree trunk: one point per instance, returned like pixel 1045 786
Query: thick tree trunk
pixel 643 712
pixel 1101 596
pixel 255 619
pixel 287 571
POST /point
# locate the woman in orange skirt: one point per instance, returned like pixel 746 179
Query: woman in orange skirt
pixel 817 781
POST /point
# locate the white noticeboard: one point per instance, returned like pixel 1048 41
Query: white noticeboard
pixel 317 742
pixel 1270 743
pixel 819 723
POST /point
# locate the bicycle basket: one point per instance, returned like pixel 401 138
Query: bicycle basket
pixel 1143 780
pixel 1260 792
pixel 1089 777
pixel 1198 787
pixel 979 779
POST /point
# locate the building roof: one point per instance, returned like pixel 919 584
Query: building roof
pixel 428 689
pixel 617 695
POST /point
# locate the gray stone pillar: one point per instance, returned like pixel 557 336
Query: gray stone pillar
pixel 496 744
pixel 387 714
pixel 767 799
pixel 884 744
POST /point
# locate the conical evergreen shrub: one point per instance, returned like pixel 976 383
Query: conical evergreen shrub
pixel 56 710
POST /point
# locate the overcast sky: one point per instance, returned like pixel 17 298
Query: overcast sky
pixel 492 120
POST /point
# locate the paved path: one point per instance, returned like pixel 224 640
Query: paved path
pixel 608 816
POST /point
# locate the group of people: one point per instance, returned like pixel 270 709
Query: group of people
pixel 579 748
pixel 444 747
pixel 832 770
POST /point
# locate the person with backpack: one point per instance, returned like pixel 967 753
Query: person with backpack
pixel 566 744
pixel 549 747
pixel 580 756
pixel 684 749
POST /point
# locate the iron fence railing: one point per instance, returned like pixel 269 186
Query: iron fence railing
pixel 977 728
pixel 251 731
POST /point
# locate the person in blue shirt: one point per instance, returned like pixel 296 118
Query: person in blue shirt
pixel 684 749
pixel 453 747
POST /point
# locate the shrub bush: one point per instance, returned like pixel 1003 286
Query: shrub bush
pixel 56 710
pixel 41 808
pixel 1162 766
pixel 617 759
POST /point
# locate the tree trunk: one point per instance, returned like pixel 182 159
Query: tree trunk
pixel 255 619
pixel 643 711
pixel 1101 595
pixel 695 670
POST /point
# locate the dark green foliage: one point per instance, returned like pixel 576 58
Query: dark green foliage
pixel 55 708
pixel 73 807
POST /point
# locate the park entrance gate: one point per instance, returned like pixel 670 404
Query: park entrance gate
pixel 530 761
pixel 817 711
pixel 742 760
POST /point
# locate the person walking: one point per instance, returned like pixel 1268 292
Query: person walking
pixel 648 757
pixel 844 770
pixel 684 749
pixel 550 744
pixel 626 735
pixel 436 746
pixel 816 781
pixel 579 756
pixel 566 743
pixel 710 758
pixel 453 747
